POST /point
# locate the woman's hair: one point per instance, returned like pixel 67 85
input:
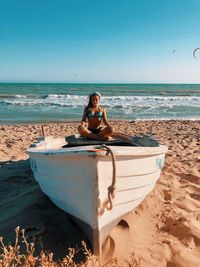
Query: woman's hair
pixel 90 99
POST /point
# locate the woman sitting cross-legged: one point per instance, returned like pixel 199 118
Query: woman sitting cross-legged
pixel 93 116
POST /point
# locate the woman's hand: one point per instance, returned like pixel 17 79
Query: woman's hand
pixel 105 120
pixel 83 126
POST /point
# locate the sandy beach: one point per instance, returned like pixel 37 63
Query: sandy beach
pixel 164 230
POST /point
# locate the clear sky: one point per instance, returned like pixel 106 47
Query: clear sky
pixel 109 41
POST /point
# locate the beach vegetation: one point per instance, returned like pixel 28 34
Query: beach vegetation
pixel 22 253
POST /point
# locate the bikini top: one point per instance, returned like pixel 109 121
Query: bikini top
pixel 97 114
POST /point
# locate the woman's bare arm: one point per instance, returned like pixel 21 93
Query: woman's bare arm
pixel 84 118
pixel 105 120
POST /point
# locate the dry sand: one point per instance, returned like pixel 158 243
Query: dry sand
pixel 164 230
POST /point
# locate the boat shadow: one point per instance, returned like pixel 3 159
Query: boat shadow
pixel 22 203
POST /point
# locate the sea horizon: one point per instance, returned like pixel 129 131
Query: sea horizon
pixel 114 83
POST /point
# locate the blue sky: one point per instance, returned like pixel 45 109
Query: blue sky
pixel 109 41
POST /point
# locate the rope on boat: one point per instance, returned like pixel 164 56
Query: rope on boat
pixel 108 204
pixel 42 127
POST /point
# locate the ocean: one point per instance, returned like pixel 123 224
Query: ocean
pixel 47 102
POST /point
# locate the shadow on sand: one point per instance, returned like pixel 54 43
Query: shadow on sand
pixel 23 204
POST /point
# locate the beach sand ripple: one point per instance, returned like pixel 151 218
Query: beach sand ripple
pixel 164 230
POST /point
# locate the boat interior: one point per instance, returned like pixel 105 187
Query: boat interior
pixel 76 140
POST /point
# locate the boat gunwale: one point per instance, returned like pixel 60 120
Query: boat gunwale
pixel 94 151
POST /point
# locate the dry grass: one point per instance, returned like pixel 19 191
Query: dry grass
pixel 21 253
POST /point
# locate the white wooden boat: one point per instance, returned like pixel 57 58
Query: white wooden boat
pixel 94 185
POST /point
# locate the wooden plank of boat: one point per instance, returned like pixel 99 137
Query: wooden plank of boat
pixel 77 140
pixel 116 139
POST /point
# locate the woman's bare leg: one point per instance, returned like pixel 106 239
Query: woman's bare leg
pixel 86 133
pixel 106 132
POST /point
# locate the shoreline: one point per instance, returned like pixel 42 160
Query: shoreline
pixel 165 225
pixel 2 123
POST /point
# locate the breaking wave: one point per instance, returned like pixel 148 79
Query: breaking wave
pixel 117 102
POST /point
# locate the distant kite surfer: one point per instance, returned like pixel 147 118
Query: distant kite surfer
pixel 194 52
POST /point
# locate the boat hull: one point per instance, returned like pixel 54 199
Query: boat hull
pixel 77 181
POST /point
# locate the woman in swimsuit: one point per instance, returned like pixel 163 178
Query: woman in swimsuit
pixel 93 116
